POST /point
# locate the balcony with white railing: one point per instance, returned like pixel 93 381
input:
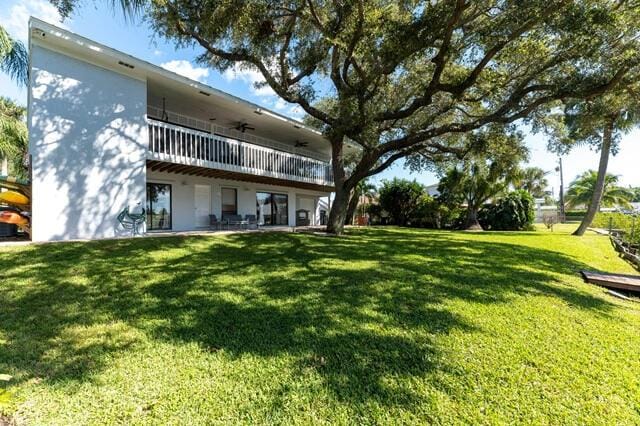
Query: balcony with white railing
pixel 177 144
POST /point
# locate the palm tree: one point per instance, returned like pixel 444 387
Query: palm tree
pixel 363 189
pixel 582 188
pixel 13 136
pixel 14 59
pixel 531 179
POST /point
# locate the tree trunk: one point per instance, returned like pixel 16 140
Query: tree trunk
pixel 338 211
pixel 472 223
pixel 351 207
pixel 594 206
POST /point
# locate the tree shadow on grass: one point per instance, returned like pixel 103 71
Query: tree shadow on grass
pixel 356 310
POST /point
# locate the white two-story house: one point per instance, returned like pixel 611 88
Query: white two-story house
pixel 109 131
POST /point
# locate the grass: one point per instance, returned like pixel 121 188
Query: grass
pixel 382 326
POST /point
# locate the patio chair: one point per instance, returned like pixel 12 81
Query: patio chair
pixel 251 220
pixel 214 223
pixel 233 220
pixel 131 221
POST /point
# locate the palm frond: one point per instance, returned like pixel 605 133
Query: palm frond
pixel 14 59
pixel 581 190
pixel 13 134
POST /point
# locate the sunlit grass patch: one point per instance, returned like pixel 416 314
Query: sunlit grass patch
pixel 385 325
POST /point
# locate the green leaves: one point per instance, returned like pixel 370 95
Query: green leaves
pixel 14 59
pixel 401 198
pixel 581 190
pixel 13 135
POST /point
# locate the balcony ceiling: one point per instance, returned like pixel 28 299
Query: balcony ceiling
pixel 161 166
pixel 227 112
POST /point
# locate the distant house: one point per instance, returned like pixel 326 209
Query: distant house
pixel 109 131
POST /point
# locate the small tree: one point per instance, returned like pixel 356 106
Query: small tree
pixel 484 173
pixel 363 189
pixel 400 198
pixel 549 221
pixel 531 179
pixel 599 122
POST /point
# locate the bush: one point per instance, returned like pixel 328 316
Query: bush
pixel 431 213
pixel 514 212
pixel 619 221
pixel 574 215
pixel 425 214
pixel 401 198
pixel 376 214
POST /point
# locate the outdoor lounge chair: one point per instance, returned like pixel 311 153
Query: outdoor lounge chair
pixel 251 220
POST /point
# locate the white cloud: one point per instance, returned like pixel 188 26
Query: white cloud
pixel 280 104
pixel 16 19
pixel 185 69
pixel 158 52
pixel 251 76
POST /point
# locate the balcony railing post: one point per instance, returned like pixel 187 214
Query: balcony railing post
pixel 173 143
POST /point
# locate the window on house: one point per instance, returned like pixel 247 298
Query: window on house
pixel 229 201
pixel 158 206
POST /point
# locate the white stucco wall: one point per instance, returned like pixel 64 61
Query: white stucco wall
pixel 87 138
pixel 183 197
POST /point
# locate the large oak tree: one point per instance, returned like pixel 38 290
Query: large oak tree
pixel 402 74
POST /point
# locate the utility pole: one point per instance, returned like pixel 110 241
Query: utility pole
pixel 561 190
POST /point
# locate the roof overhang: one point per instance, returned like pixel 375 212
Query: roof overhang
pixel 74 45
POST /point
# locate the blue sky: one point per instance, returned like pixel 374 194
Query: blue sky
pixel 101 24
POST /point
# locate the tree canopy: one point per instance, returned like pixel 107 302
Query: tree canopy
pixel 402 76
pixel 485 171
pixel 400 198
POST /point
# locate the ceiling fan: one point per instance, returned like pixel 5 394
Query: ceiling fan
pixel 242 126
pixel 301 144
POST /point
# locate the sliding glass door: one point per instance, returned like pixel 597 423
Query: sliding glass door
pixel 272 209
pixel 158 206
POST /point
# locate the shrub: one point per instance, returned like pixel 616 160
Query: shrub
pixel 431 213
pixel 574 215
pixel 401 198
pixel 376 214
pixel 619 221
pixel 513 212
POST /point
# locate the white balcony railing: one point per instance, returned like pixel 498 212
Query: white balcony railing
pixel 212 127
pixel 182 145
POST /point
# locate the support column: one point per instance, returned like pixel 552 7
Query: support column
pixel 292 208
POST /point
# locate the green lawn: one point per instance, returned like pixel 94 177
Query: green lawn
pixel 381 326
